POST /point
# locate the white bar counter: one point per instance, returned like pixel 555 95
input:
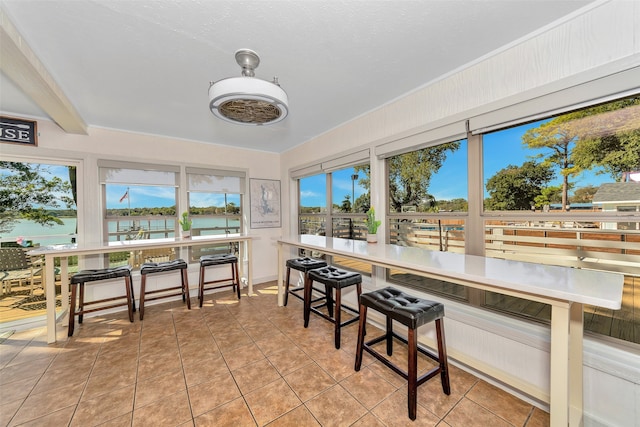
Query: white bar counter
pixel 63 252
pixel 565 289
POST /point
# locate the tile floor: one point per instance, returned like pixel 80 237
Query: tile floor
pixel 233 363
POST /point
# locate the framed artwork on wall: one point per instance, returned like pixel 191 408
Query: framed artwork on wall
pixel 265 203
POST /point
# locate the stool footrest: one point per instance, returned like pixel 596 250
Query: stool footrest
pixel 164 294
pixel 301 297
pixel 404 374
pixel 102 307
pixel 331 319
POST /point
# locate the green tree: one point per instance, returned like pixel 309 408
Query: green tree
pixel 584 194
pixel 548 195
pixel 345 206
pixel 609 137
pixel 605 136
pixel 410 174
pixel 26 193
pixel 557 136
pixel 515 187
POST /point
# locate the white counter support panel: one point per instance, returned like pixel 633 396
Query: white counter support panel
pixel 63 252
pixel 567 290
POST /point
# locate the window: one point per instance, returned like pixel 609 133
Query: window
pixel 561 192
pixel 38 204
pixel 427 206
pixel 347 187
pixel 215 206
pixel 140 203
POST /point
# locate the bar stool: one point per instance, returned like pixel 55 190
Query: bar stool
pixel 87 276
pixel 331 277
pixel 216 260
pixel 163 267
pixel 411 312
pixel 303 264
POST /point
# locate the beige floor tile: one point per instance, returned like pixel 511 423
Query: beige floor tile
pixel 105 382
pixel 238 357
pixel 233 414
pixel 170 411
pixel 17 390
pixel 368 420
pixel 369 388
pixel 273 343
pixel 121 421
pixel 335 407
pixel 271 401
pixel 431 396
pixel 299 417
pixel 394 412
pixel 104 408
pixel 468 413
pixel 8 410
pixel 500 403
pixel 206 396
pixel 202 370
pixel 57 418
pixel 21 371
pixel 538 418
pixel 289 359
pixel 255 375
pixel 159 387
pixel 41 404
pixel 309 381
pixel 151 366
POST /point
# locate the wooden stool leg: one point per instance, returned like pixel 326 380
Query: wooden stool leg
pixel 127 285
pixel 338 317
pixel 72 309
pixel 389 336
pixel 201 286
pixel 286 289
pixel 442 356
pixel 81 302
pixel 143 283
pixel 237 277
pixel 185 287
pixel 133 296
pixel 328 292
pixel 412 372
pixel 308 284
pixel 361 334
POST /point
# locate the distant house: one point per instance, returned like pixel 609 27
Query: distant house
pixel 619 197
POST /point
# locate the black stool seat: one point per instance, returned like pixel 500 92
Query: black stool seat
pixel 304 264
pixel 404 308
pixel 411 312
pixel 101 274
pixel 215 260
pixel 87 276
pixel 333 278
pixel 208 260
pixel 164 267
pixel 161 267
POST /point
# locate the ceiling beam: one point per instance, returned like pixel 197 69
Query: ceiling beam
pixel 23 67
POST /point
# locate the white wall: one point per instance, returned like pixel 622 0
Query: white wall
pixel 598 42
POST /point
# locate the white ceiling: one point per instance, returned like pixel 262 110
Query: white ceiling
pixel 145 66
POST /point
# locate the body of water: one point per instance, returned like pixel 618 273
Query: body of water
pixel 59 234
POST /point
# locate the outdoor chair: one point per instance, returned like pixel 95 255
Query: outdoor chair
pixel 16 267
